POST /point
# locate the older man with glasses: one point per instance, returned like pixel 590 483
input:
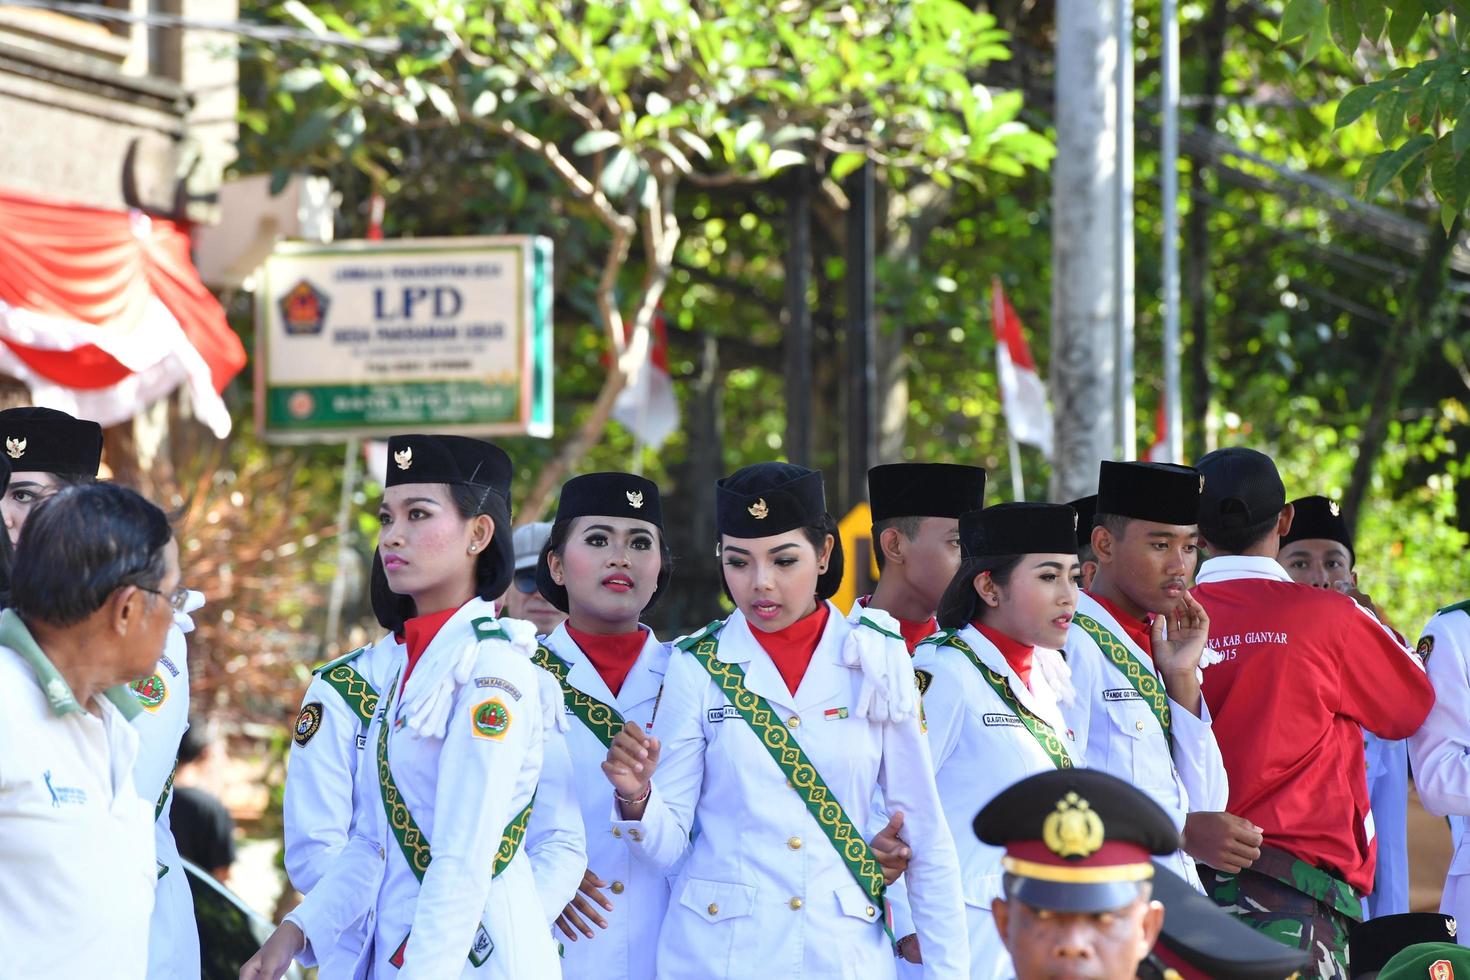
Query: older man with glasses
pixel 96 583
pixel 523 600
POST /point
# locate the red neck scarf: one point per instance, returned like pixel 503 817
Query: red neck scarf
pixel 1017 654
pixel 419 632
pixel 791 649
pixel 613 654
pixel 1137 629
pixel 913 632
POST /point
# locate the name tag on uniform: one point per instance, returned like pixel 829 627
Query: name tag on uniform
pixel 1122 694
pixel 720 714
pixel 1000 720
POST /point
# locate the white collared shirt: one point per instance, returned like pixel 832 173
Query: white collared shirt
pixel 77 862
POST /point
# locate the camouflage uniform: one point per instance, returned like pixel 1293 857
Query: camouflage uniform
pixel 1295 904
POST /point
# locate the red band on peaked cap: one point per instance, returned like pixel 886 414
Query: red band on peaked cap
pixel 1111 854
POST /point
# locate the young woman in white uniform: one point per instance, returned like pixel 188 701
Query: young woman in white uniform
pixel 773 729
pixel 457 742
pixel 604 563
pixel 992 680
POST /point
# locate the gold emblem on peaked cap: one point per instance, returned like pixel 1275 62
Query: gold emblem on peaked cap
pixel 15 448
pixel 759 510
pixel 404 458
pixel 1074 829
pixel 635 499
pixel 1333 508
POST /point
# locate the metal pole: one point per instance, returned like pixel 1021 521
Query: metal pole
pixel 1127 425
pixel 338 595
pixel 1018 485
pixel 1173 413
pixel 798 339
pixel 861 335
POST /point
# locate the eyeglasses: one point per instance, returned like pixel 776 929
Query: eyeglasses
pixel 525 581
pixel 177 598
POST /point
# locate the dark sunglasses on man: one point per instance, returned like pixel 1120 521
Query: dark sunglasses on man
pixel 525 580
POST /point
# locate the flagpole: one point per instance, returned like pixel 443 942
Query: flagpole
pixel 1018 486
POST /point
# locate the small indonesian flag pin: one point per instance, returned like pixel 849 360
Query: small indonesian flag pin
pixel 833 714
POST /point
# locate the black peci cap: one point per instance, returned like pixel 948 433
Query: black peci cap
pixel 1161 492
pixel 1242 489
pixel 1373 943
pixel 44 440
pixel 1086 508
pixel 602 495
pixel 924 490
pixel 1319 519
pixel 449 459
pixel 763 499
pixel 1200 939
pixel 1076 840
pixel 1018 529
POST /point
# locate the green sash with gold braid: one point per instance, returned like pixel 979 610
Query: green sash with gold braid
pixel 343 678
pixel 1045 735
pixel 415 846
pixel 787 753
pixel 1140 677
pixel 602 720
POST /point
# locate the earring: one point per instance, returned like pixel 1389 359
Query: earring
pixel 473 549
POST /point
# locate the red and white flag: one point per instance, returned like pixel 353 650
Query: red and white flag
pixel 1158 451
pixel 648 405
pixel 1022 392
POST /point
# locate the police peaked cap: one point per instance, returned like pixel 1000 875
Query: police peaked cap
pixel 47 441
pixel 1160 492
pixel 1086 508
pixel 1318 518
pixel 1373 943
pixel 1200 939
pixel 924 490
pixel 1018 529
pixel 1076 840
pixel 763 499
pixel 602 495
pixel 449 459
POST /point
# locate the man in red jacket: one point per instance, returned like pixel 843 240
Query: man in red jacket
pixel 1302 672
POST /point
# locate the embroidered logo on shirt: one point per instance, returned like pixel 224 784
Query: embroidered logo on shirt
pixel 151 692
pixel 923 678
pixel 491 719
pixel 501 683
pixel 169 664
pixel 834 714
pixel 1425 648
pixel 308 722
pixel 63 795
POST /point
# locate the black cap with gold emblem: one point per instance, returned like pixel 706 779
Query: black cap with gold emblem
pixel 1086 508
pixel 44 440
pixel 1373 943
pixel 763 499
pixel 609 495
pixel 1018 529
pixel 1076 840
pixel 1161 492
pixel 1317 518
pixel 449 459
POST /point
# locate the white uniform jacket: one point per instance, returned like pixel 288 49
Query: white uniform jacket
pixel 163 700
pixel 637 887
pixel 1388 797
pixel 980 748
pixel 328 747
pixel 463 741
pixel 1119 734
pixel 1440 750
pixel 77 866
pixel 556 842
pixel 763 892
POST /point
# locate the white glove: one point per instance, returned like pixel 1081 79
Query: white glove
pixel 875 645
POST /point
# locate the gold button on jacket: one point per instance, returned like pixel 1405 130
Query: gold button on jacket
pixel 796 903
pixel 617 889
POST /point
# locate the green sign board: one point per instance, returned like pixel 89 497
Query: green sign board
pixel 374 338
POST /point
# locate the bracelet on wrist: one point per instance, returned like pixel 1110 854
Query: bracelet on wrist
pixel 647 791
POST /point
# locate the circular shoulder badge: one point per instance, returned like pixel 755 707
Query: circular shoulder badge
pixel 491 719
pixel 151 692
pixel 1425 648
pixel 924 679
pixel 308 722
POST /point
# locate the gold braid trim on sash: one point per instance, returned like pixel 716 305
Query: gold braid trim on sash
pixel 800 772
pixel 602 720
pixel 356 691
pixel 1045 735
pixel 1140 677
